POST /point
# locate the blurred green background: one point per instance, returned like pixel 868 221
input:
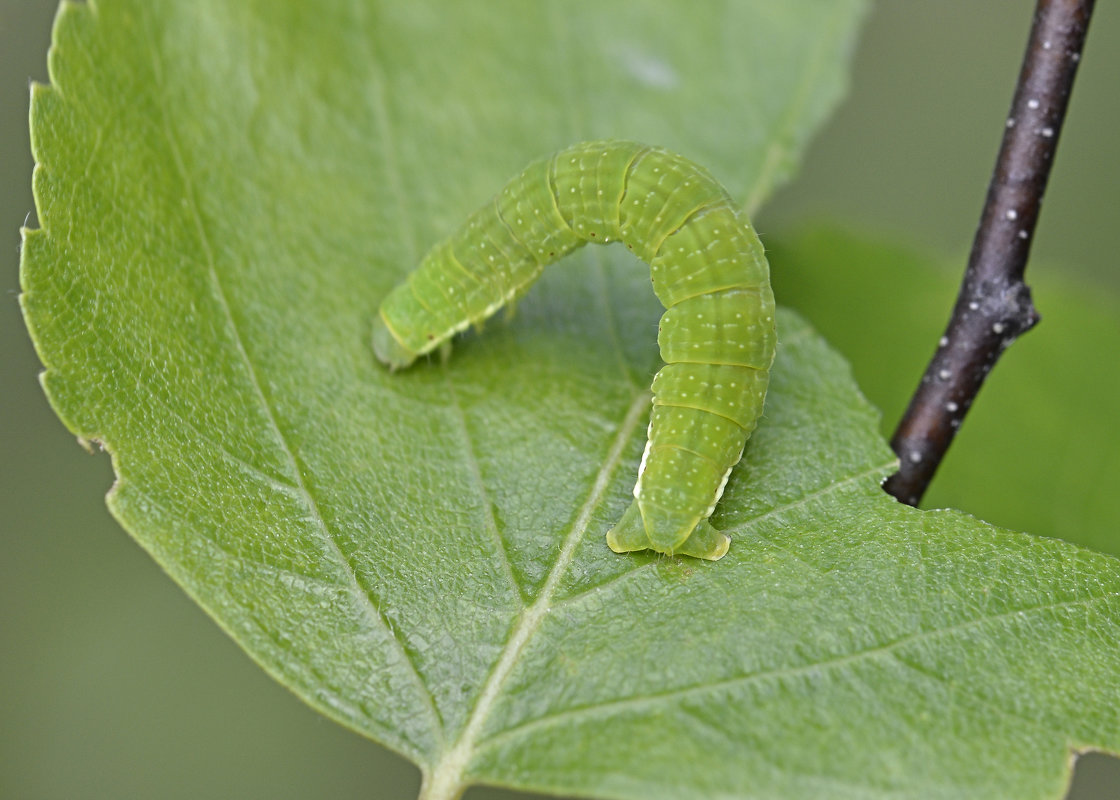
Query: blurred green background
pixel 116 685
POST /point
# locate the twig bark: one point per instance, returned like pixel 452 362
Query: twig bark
pixel 994 305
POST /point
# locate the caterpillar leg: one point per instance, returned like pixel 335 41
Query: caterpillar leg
pixel 630 534
pixel 391 352
pixel 706 542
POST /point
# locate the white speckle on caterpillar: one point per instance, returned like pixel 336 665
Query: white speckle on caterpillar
pixel 997 327
pixel 952 407
pixel 1012 214
pixel 944 340
pixel 1047 132
pixel 944 374
pixel 1032 103
pixel 915 457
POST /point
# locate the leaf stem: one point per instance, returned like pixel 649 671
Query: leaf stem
pixel 994 305
pixel 442 785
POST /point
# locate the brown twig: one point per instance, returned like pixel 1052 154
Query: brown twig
pixel 994 305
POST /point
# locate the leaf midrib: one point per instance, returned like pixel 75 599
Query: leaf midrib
pixel 447 772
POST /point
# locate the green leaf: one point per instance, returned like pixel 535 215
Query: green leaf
pixel 226 192
pixel 1040 445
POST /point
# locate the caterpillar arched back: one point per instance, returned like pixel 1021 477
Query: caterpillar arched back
pixel 717 335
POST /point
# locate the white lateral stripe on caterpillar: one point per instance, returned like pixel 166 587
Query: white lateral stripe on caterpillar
pixel 717 335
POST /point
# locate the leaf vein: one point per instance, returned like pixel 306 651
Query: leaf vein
pixel 610 707
pixel 476 475
pixel 364 595
pixel 780 146
pixel 220 550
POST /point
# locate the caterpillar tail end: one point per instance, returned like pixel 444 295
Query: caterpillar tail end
pixel 630 535
pixel 387 347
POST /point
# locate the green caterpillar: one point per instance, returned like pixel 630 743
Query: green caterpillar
pixel 717 335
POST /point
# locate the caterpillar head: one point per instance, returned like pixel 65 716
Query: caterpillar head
pixel 388 349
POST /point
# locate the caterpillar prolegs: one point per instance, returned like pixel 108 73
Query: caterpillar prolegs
pixel 717 335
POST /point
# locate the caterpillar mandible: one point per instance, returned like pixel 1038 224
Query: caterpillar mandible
pixel 717 336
